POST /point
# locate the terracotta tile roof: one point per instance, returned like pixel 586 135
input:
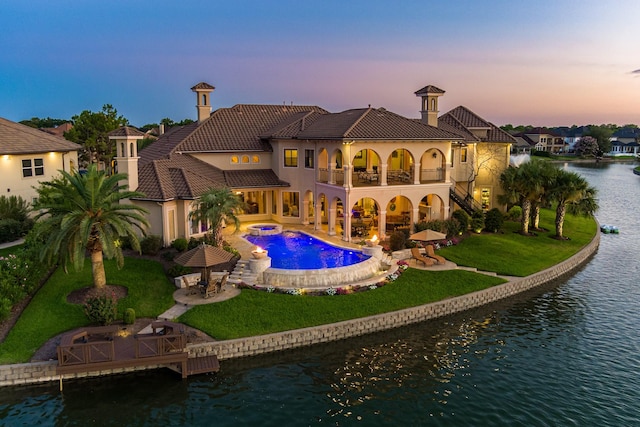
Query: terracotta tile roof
pixel 253 178
pixel 450 123
pixel 464 121
pixel 165 144
pixel 127 131
pixel 16 138
pixel 203 85
pixel 468 118
pixel 498 135
pixel 239 128
pixel 428 89
pixel 177 177
pixel 371 123
pixel 293 126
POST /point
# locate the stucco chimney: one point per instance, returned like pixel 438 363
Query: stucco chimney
pixel 429 112
pixel 203 103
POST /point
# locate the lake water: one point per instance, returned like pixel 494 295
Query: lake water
pixel 566 355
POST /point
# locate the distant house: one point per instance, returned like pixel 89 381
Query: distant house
pixel 29 156
pixel 59 130
pixel 543 139
pixel 347 172
pixel 624 142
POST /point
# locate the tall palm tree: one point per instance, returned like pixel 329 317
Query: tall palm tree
pixel 83 213
pixel 217 206
pixel 571 190
pixel 544 173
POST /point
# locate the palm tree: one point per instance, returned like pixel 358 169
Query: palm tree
pixel 83 212
pixel 521 186
pixel 544 173
pixel 217 206
pixel 572 191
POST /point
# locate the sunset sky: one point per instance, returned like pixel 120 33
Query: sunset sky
pixel 546 63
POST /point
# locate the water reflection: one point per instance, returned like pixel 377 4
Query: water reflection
pixel 564 354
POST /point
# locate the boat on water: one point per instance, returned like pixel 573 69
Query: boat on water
pixel 609 229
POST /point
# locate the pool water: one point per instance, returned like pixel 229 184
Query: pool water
pixel 298 251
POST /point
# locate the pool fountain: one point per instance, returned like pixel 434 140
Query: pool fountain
pixel 264 229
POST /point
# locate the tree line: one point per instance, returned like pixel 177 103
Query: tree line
pixel 91 131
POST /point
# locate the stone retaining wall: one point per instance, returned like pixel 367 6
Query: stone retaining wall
pixel 45 371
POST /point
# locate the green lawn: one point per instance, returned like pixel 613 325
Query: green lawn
pixel 513 254
pixel 256 312
pixel 49 313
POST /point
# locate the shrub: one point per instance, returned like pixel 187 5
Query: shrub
pixel 14 208
pixel 151 245
pixel 452 227
pixel 10 230
pixel 477 221
pixel 493 220
pixel 514 214
pixel 129 316
pixel 180 244
pixel 168 255
pixel 397 240
pixel 101 309
pixel 463 218
pixel 178 270
pixel 193 243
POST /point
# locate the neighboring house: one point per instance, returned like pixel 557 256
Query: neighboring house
pixel 624 142
pixel 523 145
pixel 543 139
pixel 59 130
pixel 571 135
pixel 303 165
pixel 29 156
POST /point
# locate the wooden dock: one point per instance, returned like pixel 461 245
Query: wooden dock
pixel 103 348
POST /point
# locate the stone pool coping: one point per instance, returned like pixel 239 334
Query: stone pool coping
pixel 40 372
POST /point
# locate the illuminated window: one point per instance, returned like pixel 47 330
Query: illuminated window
pixel 463 155
pixel 245 159
pixel 290 158
pixel 255 159
pixel 235 160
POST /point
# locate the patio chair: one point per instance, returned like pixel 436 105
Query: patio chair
pixel 210 289
pixel 220 283
pixel 415 254
pixel 431 254
pixel 191 286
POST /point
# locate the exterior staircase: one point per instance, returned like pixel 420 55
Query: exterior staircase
pixel 465 201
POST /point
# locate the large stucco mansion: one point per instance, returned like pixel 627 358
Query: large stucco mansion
pixel 350 172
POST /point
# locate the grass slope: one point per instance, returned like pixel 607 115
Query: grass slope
pixel 256 313
pixel 512 254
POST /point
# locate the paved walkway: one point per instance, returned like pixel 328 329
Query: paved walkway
pixel 10 244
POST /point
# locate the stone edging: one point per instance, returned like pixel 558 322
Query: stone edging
pixel 28 373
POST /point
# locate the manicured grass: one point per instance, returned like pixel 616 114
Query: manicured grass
pixel 256 312
pixel 49 313
pixel 510 253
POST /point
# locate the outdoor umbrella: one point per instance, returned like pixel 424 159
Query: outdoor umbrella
pixel 427 235
pixel 204 256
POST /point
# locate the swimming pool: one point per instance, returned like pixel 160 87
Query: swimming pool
pixel 295 250
pixel 300 260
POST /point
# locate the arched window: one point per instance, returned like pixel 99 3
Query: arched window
pixel 245 159
pixel 123 152
pixel 131 150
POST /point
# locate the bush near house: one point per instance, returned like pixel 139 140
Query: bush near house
pixel 493 220
pixel 151 245
pixel 463 218
pixel 14 218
